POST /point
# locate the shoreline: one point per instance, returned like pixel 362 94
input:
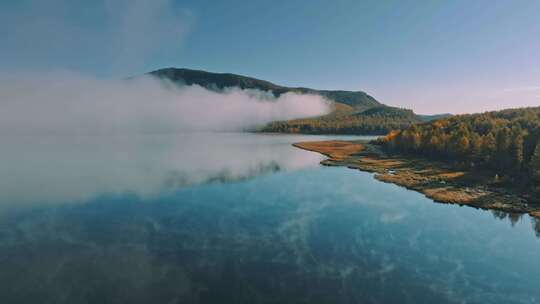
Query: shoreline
pixel 436 180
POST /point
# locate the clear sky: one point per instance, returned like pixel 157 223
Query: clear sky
pixel 432 56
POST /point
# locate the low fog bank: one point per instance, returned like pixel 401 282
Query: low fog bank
pixel 64 102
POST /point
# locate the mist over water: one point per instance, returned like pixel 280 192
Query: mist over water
pixel 69 103
pixel 74 137
pixel 44 170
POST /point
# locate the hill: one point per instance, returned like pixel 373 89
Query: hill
pixel 355 112
pixel 219 81
pixel 375 120
pixel 427 118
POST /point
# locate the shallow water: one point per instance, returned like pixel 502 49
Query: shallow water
pixel 240 218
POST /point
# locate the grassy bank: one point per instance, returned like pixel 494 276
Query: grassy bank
pixel 436 180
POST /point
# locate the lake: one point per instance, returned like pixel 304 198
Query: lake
pixel 240 218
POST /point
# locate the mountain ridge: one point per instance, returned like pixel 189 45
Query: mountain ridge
pixel 354 111
pixel 219 81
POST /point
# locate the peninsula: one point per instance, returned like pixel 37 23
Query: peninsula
pixel 437 180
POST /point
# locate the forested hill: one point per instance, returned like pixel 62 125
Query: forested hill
pixel 506 142
pixel 355 112
pixel 218 81
pixel 374 121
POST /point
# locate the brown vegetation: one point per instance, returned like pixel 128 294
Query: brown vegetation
pixel 336 150
pixel 437 180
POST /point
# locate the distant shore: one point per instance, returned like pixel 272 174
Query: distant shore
pixel 436 180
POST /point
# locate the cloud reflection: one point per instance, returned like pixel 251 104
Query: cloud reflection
pixel 51 169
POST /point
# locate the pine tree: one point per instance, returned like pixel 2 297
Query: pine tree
pixel 489 146
pixel 463 146
pixel 503 140
pixel 516 151
pixel 476 147
pixel 535 164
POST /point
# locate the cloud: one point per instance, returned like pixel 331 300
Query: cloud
pixel 68 103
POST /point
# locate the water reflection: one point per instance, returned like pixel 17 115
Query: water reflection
pixel 536 226
pixel 158 225
pixel 323 235
pixel 515 218
pixel 57 169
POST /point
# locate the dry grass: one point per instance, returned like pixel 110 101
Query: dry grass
pixel 404 179
pixel 336 150
pixel 450 175
pixel 450 195
pixel 387 163
pixel 436 180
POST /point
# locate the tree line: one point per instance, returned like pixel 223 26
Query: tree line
pixel 506 142
pixel 370 122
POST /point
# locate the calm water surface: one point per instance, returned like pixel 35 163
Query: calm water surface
pixel 239 218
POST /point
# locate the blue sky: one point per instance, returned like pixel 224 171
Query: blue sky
pixel 432 56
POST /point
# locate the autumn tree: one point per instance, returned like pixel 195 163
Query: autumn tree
pixel 505 142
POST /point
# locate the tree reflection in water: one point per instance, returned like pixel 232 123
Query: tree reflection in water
pixel 514 218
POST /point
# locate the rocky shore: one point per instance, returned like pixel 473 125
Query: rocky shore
pixel 436 180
